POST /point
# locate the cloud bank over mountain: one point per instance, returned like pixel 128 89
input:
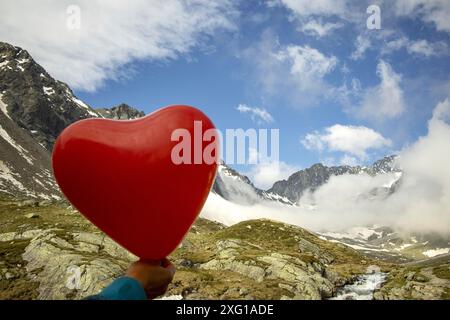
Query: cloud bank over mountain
pixel 421 202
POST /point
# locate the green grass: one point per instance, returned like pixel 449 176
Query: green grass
pixel 446 294
pixel 262 232
pixel 20 287
pixel 283 238
pixel 442 272
pixel 224 284
pixel 12 217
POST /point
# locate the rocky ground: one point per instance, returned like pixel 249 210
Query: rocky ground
pixel 423 280
pixel 49 251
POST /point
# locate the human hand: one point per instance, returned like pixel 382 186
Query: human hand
pixel 154 276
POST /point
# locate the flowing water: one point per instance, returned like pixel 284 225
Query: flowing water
pixel 363 288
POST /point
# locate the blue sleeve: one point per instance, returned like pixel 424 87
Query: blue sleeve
pixel 123 288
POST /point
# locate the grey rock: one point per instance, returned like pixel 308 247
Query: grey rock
pixel 120 112
pixel 87 247
pixel 243 291
pixel 87 237
pixel 44 203
pixel 250 271
pixel 28 203
pixel 302 279
pixel 185 263
pixel 9 276
pixel 29 234
pixel 64 271
pixel 7 237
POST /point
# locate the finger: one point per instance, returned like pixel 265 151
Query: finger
pixel 165 262
pixel 169 267
pixel 150 262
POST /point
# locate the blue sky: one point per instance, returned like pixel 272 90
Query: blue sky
pixel 339 92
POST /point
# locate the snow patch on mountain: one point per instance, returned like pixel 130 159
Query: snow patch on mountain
pixel 355 233
pixel 3 107
pixel 436 252
pixel 8 175
pixel 3 64
pixel 403 246
pixel 83 105
pixel 360 247
pixel 20 149
pixel 49 91
pixel 277 197
pixel 22 61
pixel 396 177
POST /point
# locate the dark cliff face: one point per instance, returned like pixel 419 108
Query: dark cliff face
pixel 34 100
pixel 310 178
pixel 25 169
pixel 34 109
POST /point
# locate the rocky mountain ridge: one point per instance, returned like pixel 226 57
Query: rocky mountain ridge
pixel 384 243
pixel 238 188
pixel 34 109
pixel 120 112
pixel 34 100
pixel 317 175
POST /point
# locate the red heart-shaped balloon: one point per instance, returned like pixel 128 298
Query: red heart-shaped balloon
pixel 121 176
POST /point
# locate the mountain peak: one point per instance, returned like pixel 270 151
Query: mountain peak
pixel 34 109
pixel 9 48
pixel 318 174
pixel 121 112
pixel 34 100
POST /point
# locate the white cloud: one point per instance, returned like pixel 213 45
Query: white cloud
pixel 267 170
pixel 259 115
pixel 386 100
pixel 421 47
pixel 352 140
pixel 318 28
pixel 347 160
pixel 442 112
pixel 362 44
pixel 293 75
pixel 113 33
pixel 421 202
pixel 307 62
pixel 311 15
pixel 305 8
pixel 431 11
pixel 415 47
pixel 264 174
